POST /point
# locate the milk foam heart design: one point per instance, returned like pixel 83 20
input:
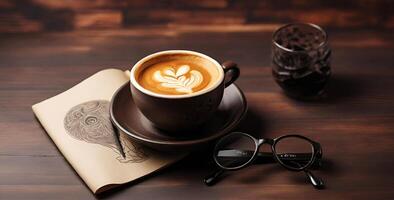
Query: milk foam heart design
pixel 178 79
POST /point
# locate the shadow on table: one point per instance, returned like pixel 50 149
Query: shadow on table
pixel 339 88
pixel 118 189
pixel 253 123
pixel 255 176
pixel 342 87
pixel 258 173
pixel 264 171
pixel 329 167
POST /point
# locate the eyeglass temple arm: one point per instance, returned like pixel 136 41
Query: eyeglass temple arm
pixel 211 179
pixel 264 156
pixel 315 181
pixel 286 156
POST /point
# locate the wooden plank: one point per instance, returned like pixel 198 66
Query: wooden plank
pixel 81 4
pixel 98 19
pixel 65 15
pixel 201 4
pixel 180 16
pixel 17 23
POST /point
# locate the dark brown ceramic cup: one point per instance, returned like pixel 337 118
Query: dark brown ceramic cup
pixel 177 113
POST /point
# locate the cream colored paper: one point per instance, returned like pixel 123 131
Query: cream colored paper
pixel 92 152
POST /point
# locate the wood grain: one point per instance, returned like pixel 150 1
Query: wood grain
pixel 66 15
pixel 354 124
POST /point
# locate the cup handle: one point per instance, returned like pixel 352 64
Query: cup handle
pixel 231 72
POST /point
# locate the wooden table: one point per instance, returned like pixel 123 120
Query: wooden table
pixel 354 124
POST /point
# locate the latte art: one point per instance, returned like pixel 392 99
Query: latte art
pixel 182 80
pixel 177 77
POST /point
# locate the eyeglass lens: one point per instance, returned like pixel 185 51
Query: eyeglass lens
pixel 234 150
pixel 294 152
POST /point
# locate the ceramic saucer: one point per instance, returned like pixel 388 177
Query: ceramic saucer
pixel 129 120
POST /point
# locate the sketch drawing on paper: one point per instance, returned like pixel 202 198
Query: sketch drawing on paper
pixel 90 122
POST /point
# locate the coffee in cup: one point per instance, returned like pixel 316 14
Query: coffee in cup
pixel 179 90
pixel 178 75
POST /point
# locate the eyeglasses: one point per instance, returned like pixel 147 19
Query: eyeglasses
pixel 294 152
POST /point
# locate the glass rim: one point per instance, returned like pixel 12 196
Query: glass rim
pixel 322 44
pixel 311 143
pixel 227 136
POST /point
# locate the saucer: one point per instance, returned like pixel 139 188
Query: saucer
pixel 129 120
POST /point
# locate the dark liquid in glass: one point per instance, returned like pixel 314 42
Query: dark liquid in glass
pixel 304 82
pixel 301 60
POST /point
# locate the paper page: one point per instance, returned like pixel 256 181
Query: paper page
pixel 78 122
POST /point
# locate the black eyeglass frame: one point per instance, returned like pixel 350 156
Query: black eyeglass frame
pixel 316 151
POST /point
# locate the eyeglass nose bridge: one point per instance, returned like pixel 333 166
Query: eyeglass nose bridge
pixel 264 140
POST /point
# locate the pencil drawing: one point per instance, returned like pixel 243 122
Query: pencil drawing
pixel 90 122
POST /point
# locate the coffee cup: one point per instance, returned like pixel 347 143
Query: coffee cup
pixel 179 90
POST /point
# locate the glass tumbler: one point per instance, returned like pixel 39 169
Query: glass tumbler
pixel 301 60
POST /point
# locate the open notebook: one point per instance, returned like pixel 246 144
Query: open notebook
pixel 78 122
